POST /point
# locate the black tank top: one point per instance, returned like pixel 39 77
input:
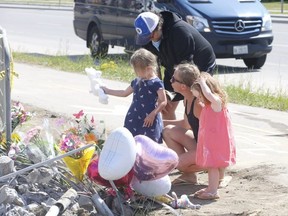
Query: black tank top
pixel 192 119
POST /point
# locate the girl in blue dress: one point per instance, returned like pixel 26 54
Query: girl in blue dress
pixel 149 98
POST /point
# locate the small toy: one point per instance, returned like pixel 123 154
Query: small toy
pixel 95 84
pixel 183 202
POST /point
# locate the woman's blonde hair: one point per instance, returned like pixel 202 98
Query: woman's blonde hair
pixel 188 73
pixel 213 85
pixel 143 58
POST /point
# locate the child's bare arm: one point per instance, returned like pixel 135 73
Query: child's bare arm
pixel 118 93
pixel 216 102
pixel 162 100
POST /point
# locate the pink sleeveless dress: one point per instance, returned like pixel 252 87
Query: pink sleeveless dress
pixel 216 145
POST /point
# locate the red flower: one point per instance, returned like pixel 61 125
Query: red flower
pixel 79 115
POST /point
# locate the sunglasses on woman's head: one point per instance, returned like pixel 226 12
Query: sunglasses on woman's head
pixel 173 79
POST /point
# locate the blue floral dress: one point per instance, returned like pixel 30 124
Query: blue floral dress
pixel 144 102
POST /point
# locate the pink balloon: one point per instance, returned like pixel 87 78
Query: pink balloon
pixel 153 160
pixel 93 174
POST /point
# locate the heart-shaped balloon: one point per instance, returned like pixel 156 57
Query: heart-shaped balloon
pixel 118 154
pixel 153 160
pixel 93 174
pixel 152 188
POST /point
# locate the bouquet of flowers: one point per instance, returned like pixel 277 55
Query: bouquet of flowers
pixel 14 145
pixel 70 141
pixel 18 117
pixel 88 129
pixel 82 130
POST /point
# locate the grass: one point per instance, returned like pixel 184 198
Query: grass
pixel 266 99
pixel 116 67
pixel 275 7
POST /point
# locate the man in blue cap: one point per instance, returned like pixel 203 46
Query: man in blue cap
pixel 173 41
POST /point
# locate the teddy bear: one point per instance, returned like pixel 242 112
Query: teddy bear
pixel 95 84
pixel 183 202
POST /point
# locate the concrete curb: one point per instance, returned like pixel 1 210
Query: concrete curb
pixel 279 18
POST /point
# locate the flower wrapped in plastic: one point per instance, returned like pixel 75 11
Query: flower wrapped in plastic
pixel 18 117
pixel 87 128
pixel 80 133
pixel 79 161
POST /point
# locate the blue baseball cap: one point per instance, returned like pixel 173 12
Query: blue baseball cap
pixel 145 24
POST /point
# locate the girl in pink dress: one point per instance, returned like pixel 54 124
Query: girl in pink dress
pixel 216 147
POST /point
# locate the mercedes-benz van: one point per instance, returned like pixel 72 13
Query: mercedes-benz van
pixel 240 29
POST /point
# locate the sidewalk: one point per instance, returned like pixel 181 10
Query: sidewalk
pixel 261 134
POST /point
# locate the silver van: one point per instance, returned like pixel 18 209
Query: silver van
pixel 240 29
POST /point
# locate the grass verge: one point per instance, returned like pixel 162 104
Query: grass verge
pixel 276 7
pixel 116 67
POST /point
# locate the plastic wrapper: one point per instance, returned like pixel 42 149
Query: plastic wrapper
pixel 78 167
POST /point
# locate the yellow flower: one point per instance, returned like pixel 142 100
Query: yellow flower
pixel 109 65
pixel 3 139
pixel 15 138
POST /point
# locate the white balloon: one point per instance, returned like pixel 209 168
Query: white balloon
pixel 152 188
pixel 118 154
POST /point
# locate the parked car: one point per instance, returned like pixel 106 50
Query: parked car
pixel 240 29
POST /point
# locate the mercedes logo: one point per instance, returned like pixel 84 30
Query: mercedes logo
pixel 239 26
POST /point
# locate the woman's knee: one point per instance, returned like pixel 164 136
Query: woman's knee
pixel 167 130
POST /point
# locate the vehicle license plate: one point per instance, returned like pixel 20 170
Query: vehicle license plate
pixel 240 50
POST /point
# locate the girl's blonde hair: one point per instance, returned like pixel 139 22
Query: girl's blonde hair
pixel 213 85
pixel 188 73
pixel 143 58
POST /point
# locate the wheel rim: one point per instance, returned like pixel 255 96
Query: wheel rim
pixel 94 45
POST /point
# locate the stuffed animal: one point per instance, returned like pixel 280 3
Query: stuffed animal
pixel 183 202
pixel 95 83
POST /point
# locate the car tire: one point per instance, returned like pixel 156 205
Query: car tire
pixel 97 47
pixel 255 63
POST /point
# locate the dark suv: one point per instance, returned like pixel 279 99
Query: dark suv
pixel 240 29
